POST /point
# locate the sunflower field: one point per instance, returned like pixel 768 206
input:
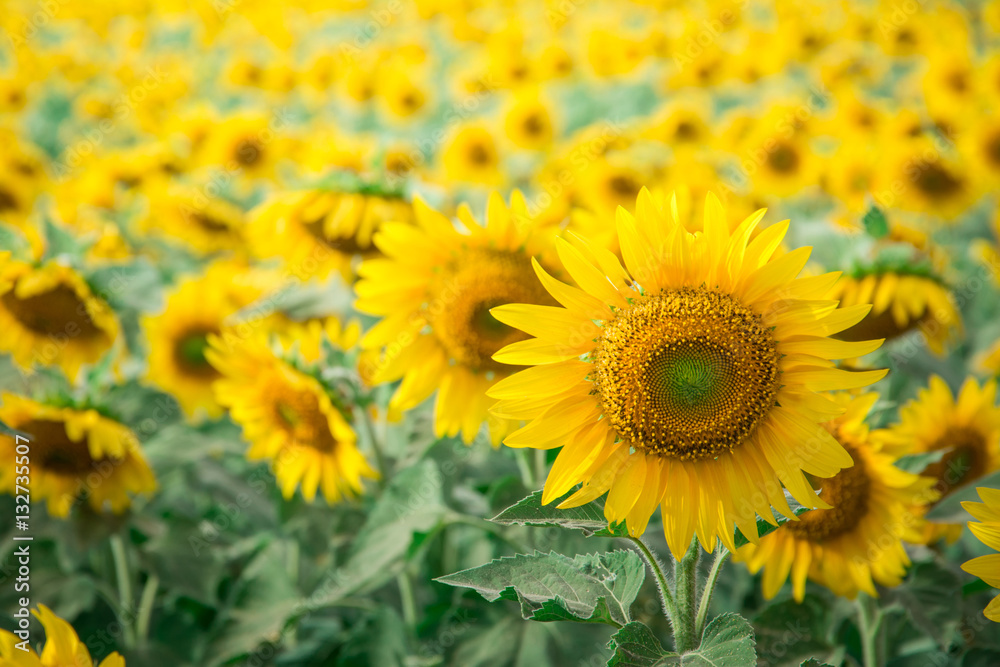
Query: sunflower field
pixel 481 333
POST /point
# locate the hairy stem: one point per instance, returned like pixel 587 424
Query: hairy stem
pixel 721 556
pixel 124 581
pixel 870 627
pixel 686 580
pixel 666 595
pixel 146 607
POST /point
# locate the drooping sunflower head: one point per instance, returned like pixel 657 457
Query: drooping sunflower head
pixel 178 338
pixel 49 315
pixel 435 289
pixel 75 455
pixel 857 542
pixel 901 302
pixel 966 428
pixel 686 378
pixel 321 231
pixel 288 416
pixel 986 567
pixel 62 646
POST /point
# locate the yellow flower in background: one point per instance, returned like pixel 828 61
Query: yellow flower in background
pixel 318 232
pixel 288 417
pixel 967 429
pixel 471 155
pixel 528 122
pixel 400 93
pixel 901 303
pixel 75 455
pixel 204 223
pixel 63 647
pixel 986 567
pixel 921 178
pixel 249 144
pixel 859 542
pixel 434 290
pixel 49 315
pixel 687 379
pixel 178 337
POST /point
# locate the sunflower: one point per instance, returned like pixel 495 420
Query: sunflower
pixel 205 224
pixel 318 232
pixel 288 417
pixel 986 567
pixel 982 145
pixel 74 454
pixel 249 143
pixel 902 302
pixel 471 156
pixel 687 379
pixel 62 646
pixel 48 314
pixel 434 289
pixel 966 429
pixel 858 542
pixel 178 338
pixel 926 181
pixel 528 122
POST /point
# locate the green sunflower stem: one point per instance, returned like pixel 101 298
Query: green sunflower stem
pixel 380 463
pixel 870 628
pixel 721 556
pixel 686 580
pixel 124 581
pixel 666 594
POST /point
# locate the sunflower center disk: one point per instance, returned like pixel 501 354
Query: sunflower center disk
pixel 848 492
pixel 686 374
pixel 299 414
pixel 967 458
pixel 56 312
pixel 460 312
pixel 56 452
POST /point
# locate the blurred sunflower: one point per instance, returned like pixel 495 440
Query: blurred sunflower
pixel 688 380
pixel 318 232
pixel 434 290
pixel 529 123
pixel 178 337
pixel 966 429
pixel 858 542
pixel 901 302
pixel 471 156
pixel 49 315
pixel 205 224
pixel 62 646
pixel 929 181
pixel 75 454
pixel 288 417
pixel 986 567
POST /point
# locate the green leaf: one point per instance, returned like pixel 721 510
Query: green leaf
pixel 592 588
pixel 765 527
pixel 788 632
pixel 380 639
pixel 931 594
pixel 263 600
pixel 949 509
pixel 11 432
pixel 635 645
pixel 916 463
pixel 813 662
pixel 728 640
pixel 875 223
pixel 588 518
pixel 59 241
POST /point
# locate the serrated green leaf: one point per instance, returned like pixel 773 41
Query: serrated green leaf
pixel 875 223
pixel 635 645
pixel 588 518
pixel 765 527
pixel 728 640
pixel 949 509
pixel 592 588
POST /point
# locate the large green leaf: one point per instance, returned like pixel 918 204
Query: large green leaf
pixel 931 594
pixel 531 512
pixel 949 509
pixel 728 640
pixel 789 632
pixel 592 588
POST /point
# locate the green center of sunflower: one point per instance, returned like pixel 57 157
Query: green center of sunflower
pixel 459 312
pixel 58 312
pixel 686 374
pixel 848 492
pixel 967 459
pixel 56 453
pixel 189 353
